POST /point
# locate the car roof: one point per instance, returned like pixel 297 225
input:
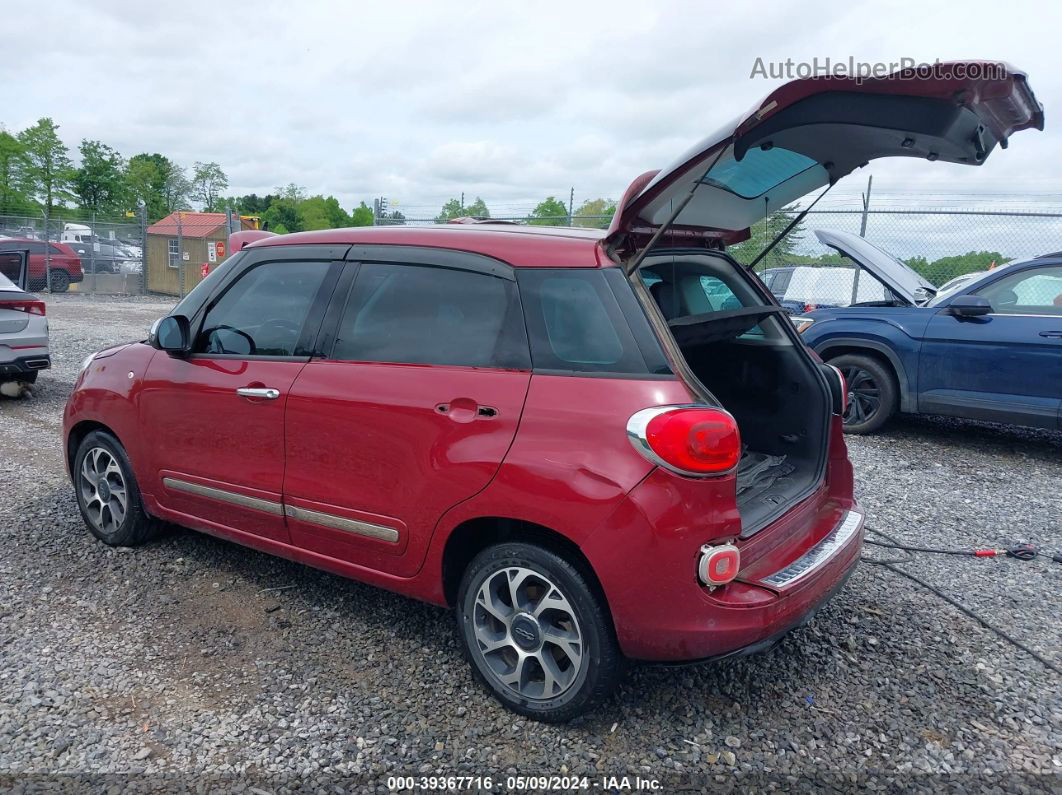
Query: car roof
pixel 518 245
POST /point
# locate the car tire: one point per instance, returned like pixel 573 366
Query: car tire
pixel 549 652
pixel 873 395
pixel 59 281
pixel 102 476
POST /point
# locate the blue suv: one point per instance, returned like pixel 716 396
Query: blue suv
pixel 989 349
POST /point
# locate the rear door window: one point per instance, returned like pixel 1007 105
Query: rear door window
pixel 587 321
pixel 424 314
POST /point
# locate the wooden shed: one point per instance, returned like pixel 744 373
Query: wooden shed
pixel 180 244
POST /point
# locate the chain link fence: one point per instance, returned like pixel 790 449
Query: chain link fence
pixel 78 254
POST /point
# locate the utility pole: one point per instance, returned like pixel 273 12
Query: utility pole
pixel 866 207
pixel 571 204
pixel 462 201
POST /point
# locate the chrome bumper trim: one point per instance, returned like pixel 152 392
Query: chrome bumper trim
pixel 222 495
pixel 818 555
pixel 340 523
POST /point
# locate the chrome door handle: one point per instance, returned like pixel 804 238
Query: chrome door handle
pixel 258 392
pixel 1051 334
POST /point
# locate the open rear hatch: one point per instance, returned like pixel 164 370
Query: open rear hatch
pixel 732 342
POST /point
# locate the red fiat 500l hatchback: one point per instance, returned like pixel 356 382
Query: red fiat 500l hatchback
pixel 592 445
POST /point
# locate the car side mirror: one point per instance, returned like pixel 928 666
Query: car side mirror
pixel 172 335
pixel 969 306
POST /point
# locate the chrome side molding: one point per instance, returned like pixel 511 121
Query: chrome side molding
pixel 320 518
pixel 353 526
pixel 818 554
pixel 257 503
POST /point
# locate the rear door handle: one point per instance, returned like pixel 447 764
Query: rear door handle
pixel 1052 334
pixel 267 393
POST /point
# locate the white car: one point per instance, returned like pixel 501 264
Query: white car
pixel 23 325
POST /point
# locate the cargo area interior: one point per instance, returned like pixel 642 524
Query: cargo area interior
pixel 734 343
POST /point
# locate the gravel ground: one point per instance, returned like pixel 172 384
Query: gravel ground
pixel 193 658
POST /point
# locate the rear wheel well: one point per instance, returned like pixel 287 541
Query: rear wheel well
pixel 473 536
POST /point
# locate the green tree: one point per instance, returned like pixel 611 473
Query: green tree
pixel 282 215
pixel 49 170
pixel 208 181
pixel 477 209
pixel 550 212
pixel 14 192
pixel 318 212
pixel 763 232
pixel 594 213
pixel 362 215
pixel 157 183
pixel 99 183
pixel 251 204
pixel 946 268
pixel 451 209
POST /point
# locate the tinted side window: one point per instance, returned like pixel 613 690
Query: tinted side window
pixel 416 314
pixel 263 312
pixel 578 321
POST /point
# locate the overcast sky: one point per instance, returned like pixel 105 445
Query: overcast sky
pixel 513 102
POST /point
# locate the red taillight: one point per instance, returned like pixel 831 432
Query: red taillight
pixel 29 307
pixel 689 440
pixel 718 565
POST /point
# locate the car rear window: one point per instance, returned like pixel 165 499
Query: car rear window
pixel 587 321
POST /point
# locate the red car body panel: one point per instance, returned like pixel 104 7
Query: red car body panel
pixel 225 442
pixel 394 445
pixel 648 554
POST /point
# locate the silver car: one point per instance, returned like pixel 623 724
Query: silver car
pixel 23 325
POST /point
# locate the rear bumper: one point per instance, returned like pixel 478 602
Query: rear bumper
pixel 11 369
pixel 647 567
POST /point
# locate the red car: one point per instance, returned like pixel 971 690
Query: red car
pixel 60 268
pixel 592 445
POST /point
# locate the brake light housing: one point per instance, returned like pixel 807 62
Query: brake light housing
pixel 718 565
pixel 31 307
pixel 690 440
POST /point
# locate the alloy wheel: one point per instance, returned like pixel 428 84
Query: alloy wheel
pixel 103 490
pixel 527 633
pixel 864 395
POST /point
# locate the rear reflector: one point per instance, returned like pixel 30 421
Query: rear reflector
pixel 718 565
pixel 688 440
pixel 29 307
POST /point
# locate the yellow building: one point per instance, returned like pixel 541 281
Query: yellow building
pixel 181 244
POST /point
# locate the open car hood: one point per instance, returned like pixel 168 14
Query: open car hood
pixel 904 281
pixel 811 132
